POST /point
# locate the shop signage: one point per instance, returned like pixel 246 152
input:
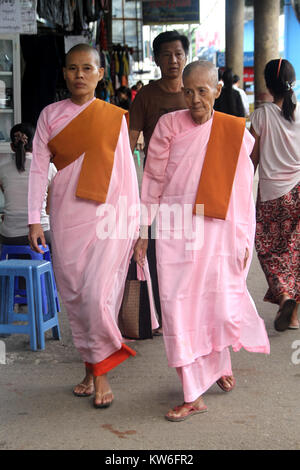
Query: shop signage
pixel 170 11
pixel 249 74
pixel 248 59
pixel 18 16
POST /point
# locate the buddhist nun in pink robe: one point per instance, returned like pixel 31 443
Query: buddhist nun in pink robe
pixel 92 233
pixel 198 182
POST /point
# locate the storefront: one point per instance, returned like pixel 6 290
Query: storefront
pixel 32 54
pixel 36 34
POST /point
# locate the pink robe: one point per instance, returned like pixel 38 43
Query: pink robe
pixel 90 271
pixel 206 306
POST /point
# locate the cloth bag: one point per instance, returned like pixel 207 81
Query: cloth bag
pixel 137 316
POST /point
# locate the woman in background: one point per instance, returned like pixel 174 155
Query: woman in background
pixel 14 173
pixel 276 129
pixel 229 101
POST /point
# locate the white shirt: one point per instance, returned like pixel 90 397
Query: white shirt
pixel 244 98
pixel 15 186
pixel 279 161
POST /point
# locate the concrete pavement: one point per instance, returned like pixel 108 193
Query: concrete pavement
pixel 38 410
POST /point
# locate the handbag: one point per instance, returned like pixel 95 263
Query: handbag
pixel 137 316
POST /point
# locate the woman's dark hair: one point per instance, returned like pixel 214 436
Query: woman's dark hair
pixel 169 36
pixel 227 78
pixel 280 76
pixel 230 101
pixel 21 136
pixel 235 79
pixel 125 90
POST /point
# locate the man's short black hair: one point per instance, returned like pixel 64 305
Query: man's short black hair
pixel 235 79
pixel 169 36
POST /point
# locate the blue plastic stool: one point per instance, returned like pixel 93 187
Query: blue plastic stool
pixel 45 321
pixel 37 321
pixel 13 252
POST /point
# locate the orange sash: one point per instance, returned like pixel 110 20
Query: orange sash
pixel 94 132
pixel 219 165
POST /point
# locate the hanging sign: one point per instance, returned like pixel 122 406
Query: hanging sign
pixel 170 11
pixel 18 16
pixel 28 16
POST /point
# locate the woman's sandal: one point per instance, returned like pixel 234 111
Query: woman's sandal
pixel 284 315
pixel 103 405
pixel 191 410
pixel 220 382
pixel 85 388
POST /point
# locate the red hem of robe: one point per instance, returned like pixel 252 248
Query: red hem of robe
pixel 101 368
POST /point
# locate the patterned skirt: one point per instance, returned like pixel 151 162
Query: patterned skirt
pixel 277 243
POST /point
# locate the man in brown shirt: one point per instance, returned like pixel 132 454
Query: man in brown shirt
pixel 164 95
pixel 152 101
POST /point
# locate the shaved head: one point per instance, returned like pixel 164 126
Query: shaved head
pixel 83 48
pixel 202 65
pixel 201 88
pixel 82 72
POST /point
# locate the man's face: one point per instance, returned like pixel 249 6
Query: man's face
pixel 171 59
pixel 200 93
pixel 82 74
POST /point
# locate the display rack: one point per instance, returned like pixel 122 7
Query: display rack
pixel 10 89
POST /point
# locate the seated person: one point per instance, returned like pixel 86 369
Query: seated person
pixel 14 174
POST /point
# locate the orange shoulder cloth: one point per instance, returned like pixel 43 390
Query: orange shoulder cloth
pixel 94 132
pixel 219 165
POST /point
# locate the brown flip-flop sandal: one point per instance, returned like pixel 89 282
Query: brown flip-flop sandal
pixel 284 315
pixel 190 411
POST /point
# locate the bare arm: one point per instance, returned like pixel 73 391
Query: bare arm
pixel 255 152
pixel 140 251
pixel 36 232
pixel 133 138
pixel 140 248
